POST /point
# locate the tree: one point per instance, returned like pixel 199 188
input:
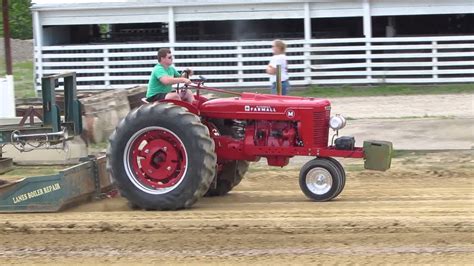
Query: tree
pixel 20 19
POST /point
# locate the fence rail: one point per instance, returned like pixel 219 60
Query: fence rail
pixel 242 64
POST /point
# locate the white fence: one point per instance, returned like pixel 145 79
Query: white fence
pixel 242 64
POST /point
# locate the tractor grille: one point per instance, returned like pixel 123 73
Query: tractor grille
pixel 321 128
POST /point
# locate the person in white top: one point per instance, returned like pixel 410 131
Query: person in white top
pixel 279 58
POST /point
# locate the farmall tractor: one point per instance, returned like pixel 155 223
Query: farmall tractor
pixel 166 155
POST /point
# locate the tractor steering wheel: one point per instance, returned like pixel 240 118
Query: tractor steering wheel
pixel 186 75
pixel 202 79
pixel 182 90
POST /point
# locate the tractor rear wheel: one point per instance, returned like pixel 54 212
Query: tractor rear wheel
pixel 232 172
pixel 320 179
pixel 161 157
pixel 230 176
pixel 242 168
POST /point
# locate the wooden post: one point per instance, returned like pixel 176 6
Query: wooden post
pixel 278 80
pixel 6 38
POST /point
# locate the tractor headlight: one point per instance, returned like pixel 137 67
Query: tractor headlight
pixel 337 122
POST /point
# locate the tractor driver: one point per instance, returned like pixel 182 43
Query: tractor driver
pixel 163 76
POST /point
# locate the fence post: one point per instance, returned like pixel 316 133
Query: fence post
pixel 307 64
pixel 106 67
pixel 434 54
pixel 368 58
pixel 240 65
pixel 278 79
pixel 307 45
pixel 38 51
pixel 367 24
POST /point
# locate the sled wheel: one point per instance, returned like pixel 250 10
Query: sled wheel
pixel 230 176
pixel 161 157
pixel 319 179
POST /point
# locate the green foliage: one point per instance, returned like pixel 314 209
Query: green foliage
pixel 21 26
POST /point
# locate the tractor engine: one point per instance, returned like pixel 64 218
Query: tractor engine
pixel 274 133
pixel 274 127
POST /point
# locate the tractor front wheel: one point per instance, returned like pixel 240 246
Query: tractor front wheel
pixel 342 172
pixel 321 179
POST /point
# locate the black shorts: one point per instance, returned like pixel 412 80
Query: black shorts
pixel 157 97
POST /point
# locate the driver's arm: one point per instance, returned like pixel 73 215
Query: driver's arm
pixel 167 80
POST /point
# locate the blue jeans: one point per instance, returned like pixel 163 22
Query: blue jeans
pixel 285 86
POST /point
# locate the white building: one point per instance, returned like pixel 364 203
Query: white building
pixel 113 43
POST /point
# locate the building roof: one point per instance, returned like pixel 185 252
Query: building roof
pixel 56 12
pixel 88 4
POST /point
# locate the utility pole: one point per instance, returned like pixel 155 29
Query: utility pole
pixel 6 37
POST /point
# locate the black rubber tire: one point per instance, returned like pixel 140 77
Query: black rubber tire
pixel 196 141
pixel 232 172
pixel 230 176
pixel 242 168
pixel 335 176
pixel 342 172
pixel 132 206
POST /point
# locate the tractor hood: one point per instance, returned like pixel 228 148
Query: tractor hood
pixel 263 106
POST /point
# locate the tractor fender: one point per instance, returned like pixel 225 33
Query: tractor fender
pixel 191 108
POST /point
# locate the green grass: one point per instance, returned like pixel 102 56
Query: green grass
pixel 23 78
pixel 382 90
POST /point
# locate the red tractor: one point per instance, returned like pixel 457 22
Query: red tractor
pixel 166 155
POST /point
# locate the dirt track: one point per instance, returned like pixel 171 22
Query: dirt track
pixel 421 211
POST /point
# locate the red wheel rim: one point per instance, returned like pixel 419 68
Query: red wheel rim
pixel 155 160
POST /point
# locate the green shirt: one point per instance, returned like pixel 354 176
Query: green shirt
pixel 154 84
